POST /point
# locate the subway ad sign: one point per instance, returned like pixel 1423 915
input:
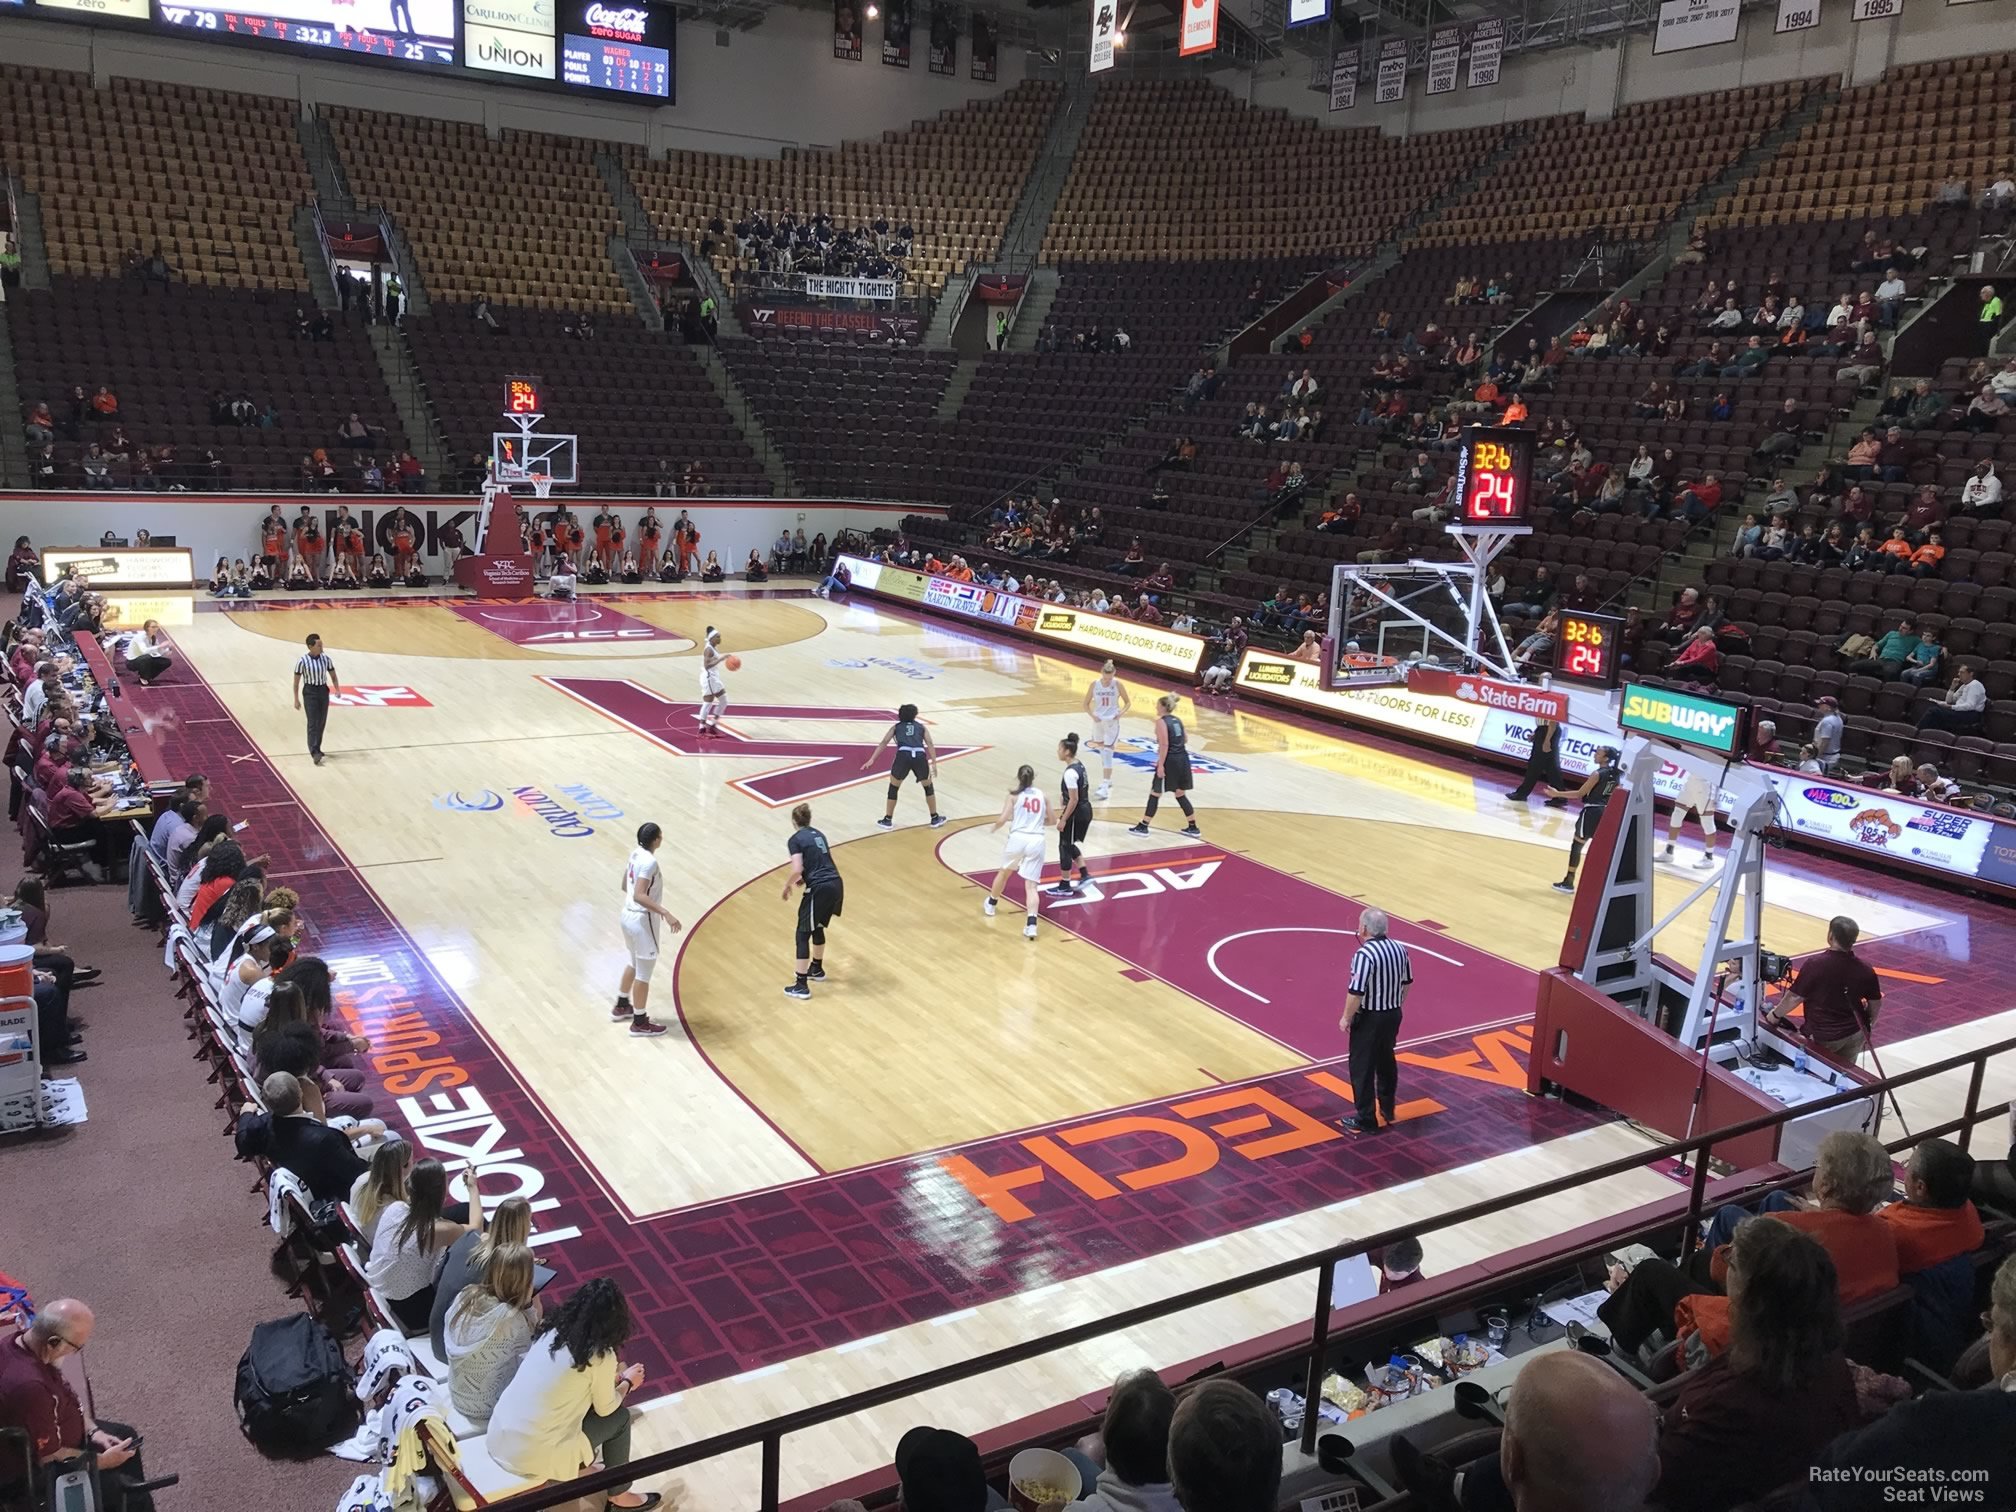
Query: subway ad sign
pixel 1685 718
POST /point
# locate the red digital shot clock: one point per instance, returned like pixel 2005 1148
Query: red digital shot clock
pixel 521 396
pixel 1494 469
pixel 1587 647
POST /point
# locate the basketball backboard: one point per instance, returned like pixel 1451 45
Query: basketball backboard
pixel 517 456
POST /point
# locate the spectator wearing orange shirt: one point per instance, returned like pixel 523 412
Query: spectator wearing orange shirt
pixel 1515 411
pixel 1935 1222
pixel 105 403
pixel 1926 559
pixel 1898 549
pixel 1851 1176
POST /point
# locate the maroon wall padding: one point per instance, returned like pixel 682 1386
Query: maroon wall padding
pixel 1584 1042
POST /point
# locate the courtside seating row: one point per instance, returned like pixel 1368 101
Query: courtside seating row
pixel 329 1281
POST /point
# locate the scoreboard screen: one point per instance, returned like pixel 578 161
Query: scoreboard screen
pixel 1494 471
pixel 1587 647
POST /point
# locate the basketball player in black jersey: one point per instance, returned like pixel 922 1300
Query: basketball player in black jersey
pixel 1595 795
pixel 1074 820
pixel 916 755
pixel 1172 767
pixel 812 869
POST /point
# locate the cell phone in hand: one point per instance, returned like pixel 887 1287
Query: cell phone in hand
pixel 241 826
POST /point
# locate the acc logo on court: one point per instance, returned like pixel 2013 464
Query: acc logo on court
pixel 482 801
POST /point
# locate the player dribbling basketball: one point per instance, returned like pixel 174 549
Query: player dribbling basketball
pixel 713 691
pixel 1105 701
pixel 1027 815
pixel 1074 821
pixel 643 887
pixel 916 755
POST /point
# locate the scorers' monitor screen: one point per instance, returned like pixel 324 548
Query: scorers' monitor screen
pixel 623 49
pixel 1587 647
pixel 1494 470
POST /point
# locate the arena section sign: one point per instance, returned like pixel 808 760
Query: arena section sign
pixel 1095 634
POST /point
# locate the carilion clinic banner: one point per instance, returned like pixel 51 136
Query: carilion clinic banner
pixel 1095 634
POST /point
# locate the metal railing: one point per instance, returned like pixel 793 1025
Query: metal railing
pixel 768 1436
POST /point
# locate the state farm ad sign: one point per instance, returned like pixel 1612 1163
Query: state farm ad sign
pixel 1486 692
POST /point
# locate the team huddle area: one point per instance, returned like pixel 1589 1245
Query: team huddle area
pixel 1175 760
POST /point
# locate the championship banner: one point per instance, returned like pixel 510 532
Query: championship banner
pixel 1308 12
pixel 1487 52
pixel 1102 36
pixel 1685 24
pixel 1877 10
pixel 823 320
pixel 846 31
pixel 1344 79
pixel 820 286
pixel 896 33
pixel 1200 28
pixel 944 40
pixel 1803 15
pixel 983 47
pixel 1445 51
pixel 1392 80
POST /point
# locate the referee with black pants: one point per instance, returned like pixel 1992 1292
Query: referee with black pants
pixel 1380 977
pixel 314 681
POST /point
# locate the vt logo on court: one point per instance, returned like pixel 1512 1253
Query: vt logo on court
pixel 818 765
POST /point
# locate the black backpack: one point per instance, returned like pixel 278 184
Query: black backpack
pixel 294 1391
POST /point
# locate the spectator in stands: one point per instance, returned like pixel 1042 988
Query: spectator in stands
pixel 1925 511
pixel 1749 1420
pixel 1864 456
pixel 1224 1450
pixel 1964 707
pixel 1133 1442
pixel 1990 315
pixel 485 318
pixel 1984 411
pixel 1749 360
pixel 1981 494
pixel 1537 598
pixel 105 403
pixel 1927 411
pixel 564 1408
pixel 693 482
pixel 1699 660
pixel 1728 318
pixel 1182 453
pixel 1536 651
pixel 1788 431
pixel 1926 658
pixel 1891 652
pixel 354 433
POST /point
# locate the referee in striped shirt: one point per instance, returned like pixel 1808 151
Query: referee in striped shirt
pixel 1380 977
pixel 314 681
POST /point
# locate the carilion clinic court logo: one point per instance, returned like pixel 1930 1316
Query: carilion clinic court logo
pixel 566 816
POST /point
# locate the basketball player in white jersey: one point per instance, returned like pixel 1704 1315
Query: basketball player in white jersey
pixel 1105 701
pixel 643 914
pixel 1697 797
pixel 713 691
pixel 1027 815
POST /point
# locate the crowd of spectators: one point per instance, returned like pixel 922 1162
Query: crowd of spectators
pixel 789 243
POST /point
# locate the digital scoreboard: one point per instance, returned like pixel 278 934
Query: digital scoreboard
pixel 521 396
pixel 1588 647
pixel 1494 476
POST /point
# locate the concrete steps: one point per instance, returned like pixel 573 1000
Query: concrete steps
pixel 1035 310
pixel 749 422
pixel 955 391
pixel 13 445
pixel 314 257
pixel 409 397
pixel 28 238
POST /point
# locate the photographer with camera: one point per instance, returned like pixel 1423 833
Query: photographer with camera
pixel 1841 992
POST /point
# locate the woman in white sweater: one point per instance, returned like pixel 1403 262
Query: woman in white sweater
pixel 489 1329
pixel 564 1411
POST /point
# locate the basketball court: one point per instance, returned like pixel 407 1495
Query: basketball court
pixel 965 1138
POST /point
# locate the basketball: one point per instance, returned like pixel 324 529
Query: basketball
pixel 734 664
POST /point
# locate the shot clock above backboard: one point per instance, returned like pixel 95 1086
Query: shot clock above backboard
pixel 521 396
pixel 1494 471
